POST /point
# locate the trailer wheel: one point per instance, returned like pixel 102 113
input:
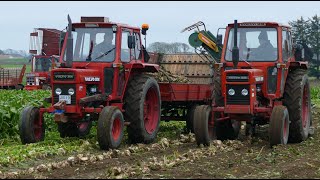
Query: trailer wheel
pixel 31 126
pixel 203 127
pixel 110 128
pixel 227 129
pixel 19 87
pixel 46 87
pixel 190 117
pixel 142 109
pixel 279 126
pixel 71 129
pixel 297 100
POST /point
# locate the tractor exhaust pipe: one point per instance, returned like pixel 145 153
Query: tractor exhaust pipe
pixel 69 55
pixel 235 49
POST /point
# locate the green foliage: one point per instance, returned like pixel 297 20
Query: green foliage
pixel 12 103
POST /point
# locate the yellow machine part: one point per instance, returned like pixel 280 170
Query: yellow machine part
pixel 208 42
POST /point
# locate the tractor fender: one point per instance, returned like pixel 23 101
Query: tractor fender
pixel 299 65
pixel 145 67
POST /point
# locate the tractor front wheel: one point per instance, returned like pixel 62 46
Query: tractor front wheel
pixel 31 126
pixel 110 128
pixel 279 126
pixel 203 125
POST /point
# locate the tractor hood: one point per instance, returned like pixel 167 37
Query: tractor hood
pixel 75 75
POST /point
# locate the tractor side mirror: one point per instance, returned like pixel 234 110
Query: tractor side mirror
pixel 298 52
pixel 131 42
pixel 219 39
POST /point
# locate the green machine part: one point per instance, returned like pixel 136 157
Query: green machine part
pixel 195 42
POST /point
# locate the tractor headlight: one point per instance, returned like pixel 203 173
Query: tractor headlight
pixel 231 92
pixel 58 91
pixel 71 91
pixel 244 92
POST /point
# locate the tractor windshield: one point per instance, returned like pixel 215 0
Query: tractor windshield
pixel 93 44
pixel 255 44
pixel 43 63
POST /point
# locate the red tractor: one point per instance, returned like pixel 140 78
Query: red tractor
pixel 102 78
pixel 44 45
pixel 261 79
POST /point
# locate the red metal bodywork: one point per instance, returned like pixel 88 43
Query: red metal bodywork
pixel 174 92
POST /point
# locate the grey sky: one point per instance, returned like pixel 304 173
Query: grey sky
pixel 166 19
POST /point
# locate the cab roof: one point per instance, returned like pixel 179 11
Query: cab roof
pixel 259 24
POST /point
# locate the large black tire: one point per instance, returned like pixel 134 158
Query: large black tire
pixel 71 129
pixel 297 100
pixel 31 126
pixel 226 129
pixel 279 126
pixel 190 117
pixel 46 87
pixel 110 128
pixel 204 132
pixel 142 109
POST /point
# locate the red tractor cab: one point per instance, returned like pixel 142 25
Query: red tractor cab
pixel 261 79
pixel 44 45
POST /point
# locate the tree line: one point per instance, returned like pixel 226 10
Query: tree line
pixel 306 31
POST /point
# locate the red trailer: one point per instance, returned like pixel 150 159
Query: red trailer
pixel 11 78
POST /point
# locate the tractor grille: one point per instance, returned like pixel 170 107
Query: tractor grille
pixel 238 98
pixel 64 88
pixel 237 77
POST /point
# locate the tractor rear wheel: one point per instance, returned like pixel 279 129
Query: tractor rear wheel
pixel 190 117
pixel 203 125
pixel 110 128
pixel 297 100
pixel 142 109
pixel 72 129
pixel 31 126
pixel 279 126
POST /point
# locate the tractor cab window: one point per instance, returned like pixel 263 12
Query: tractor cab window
pixel 125 51
pixel 137 49
pixel 42 64
pixel 93 44
pixel 255 44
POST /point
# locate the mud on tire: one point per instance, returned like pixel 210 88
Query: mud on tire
pixel 297 100
pixel 142 109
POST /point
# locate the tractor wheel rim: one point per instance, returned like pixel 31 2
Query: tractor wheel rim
pixel 37 128
pixel 116 129
pixel 151 110
pixel 305 107
pixel 83 126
